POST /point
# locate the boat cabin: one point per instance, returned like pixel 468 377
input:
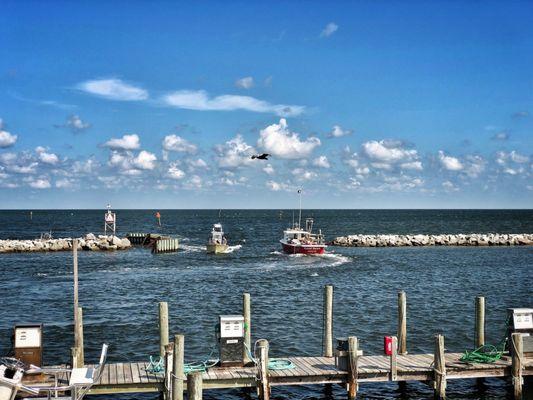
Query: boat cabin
pixel 217 235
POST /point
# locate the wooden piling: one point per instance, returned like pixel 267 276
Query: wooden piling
pixel 246 311
pixel 163 327
pixel 402 323
pixel 480 322
pixel 327 340
pixel 394 359
pixel 262 371
pixel 79 337
pixel 168 361
pixel 353 355
pixel 74 351
pixel 517 351
pixel 439 368
pixel 178 367
pixel 194 386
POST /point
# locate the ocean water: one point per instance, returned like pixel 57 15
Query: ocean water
pixel 119 291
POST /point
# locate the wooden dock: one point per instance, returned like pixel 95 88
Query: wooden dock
pixel 349 368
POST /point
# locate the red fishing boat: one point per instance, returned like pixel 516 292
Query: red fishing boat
pixel 303 241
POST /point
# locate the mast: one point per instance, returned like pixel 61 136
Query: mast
pixel 300 210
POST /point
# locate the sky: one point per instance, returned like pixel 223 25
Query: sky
pixel 364 104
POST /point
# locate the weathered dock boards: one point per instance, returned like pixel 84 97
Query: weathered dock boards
pixel 132 377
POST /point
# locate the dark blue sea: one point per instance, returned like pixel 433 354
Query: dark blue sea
pixel 120 291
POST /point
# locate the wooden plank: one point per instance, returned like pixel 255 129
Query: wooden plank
pixel 113 374
pixel 128 375
pixel 120 374
pixel 135 375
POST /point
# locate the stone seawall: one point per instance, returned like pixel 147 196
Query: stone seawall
pixel 88 242
pixel 473 239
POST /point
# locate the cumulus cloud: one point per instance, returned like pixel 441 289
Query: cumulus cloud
pixel 178 144
pixel 279 141
pixel 40 184
pixel 113 89
pixel 174 172
pixel 129 164
pixel 45 157
pixel 329 29
pixel 449 186
pixel 245 83
pixel 64 183
pixel 145 160
pixel 276 186
pixel 75 123
pixel 6 139
pixel 387 151
pixel 474 166
pixel 126 142
pixel 269 169
pixel 412 165
pixel 234 153
pixel 450 163
pixel 337 132
pixel 201 101
pixel 321 162
pixel 303 174
pixel 197 164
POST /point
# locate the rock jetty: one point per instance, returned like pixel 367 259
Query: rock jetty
pixel 473 239
pixel 88 242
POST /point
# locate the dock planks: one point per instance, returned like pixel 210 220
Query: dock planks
pixel 130 377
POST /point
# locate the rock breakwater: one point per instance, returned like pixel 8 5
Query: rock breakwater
pixel 88 242
pixel 473 239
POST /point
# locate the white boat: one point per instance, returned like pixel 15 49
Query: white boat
pixel 217 242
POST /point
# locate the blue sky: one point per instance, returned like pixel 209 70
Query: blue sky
pixel 361 104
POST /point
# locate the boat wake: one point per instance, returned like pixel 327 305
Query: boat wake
pixel 337 259
pixel 191 248
pixel 231 249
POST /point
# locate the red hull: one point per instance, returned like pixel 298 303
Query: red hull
pixel 306 249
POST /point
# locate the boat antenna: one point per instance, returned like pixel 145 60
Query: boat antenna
pixel 300 210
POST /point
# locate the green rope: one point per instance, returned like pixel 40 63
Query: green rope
pixel 485 354
pixel 278 364
pixel 156 366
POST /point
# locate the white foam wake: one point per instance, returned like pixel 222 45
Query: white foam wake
pixel 231 249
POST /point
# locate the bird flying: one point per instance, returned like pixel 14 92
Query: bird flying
pixel 263 156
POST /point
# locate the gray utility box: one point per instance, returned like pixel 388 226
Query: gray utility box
pixel 341 354
pixel 231 340
pixel 521 321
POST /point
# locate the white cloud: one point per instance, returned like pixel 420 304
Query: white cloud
pixel 145 160
pixel 279 141
pixel 48 158
pixel 40 184
pixel 329 30
pixel 234 153
pixel 321 162
pixel 195 182
pixel 178 144
pixel 412 165
pixel 475 165
pixel 450 163
pixel 64 183
pixel 113 89
pixel 245 83
pixel 200 100
pixel 269 169
pixel 501 136
pixel 126 142
pixel 303 174
pixel 24 169
pixel 388 151
pixel 198 163
pixel 75 123
pixel 6 139
pixel 337 132
pixel 276 186
pixel 174 172
pixel 449 186
pixel 88 166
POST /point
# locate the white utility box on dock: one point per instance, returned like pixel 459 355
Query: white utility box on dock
pixel 231 340
pixel 521 321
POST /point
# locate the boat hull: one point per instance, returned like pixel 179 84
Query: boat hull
pixel 216 248
pixel 303 249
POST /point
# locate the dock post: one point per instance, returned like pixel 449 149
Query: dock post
pixel 79 337
pixel 75 357
pixel 518 355
pixel 480 322
pixel 353 355
pixel 328 322
pixel 194 386
pixel 394 360
pixel 439 368
pixel 247 314
pixel 402 323
pixel 163 327
pixel 167 383
pixel 178 374
pixel 264 384
pixel 75 278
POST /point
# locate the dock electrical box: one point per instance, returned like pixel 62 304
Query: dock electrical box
pixel 231 340
pixel 521 321
pixel 28 345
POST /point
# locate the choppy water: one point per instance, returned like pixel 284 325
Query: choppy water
pixel 119 291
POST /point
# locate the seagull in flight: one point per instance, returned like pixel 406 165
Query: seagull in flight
pixel 263 156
